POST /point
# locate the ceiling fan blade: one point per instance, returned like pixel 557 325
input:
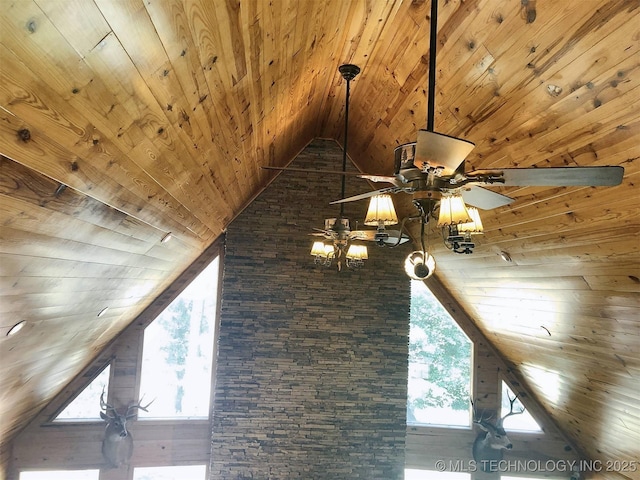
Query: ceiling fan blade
pixel 388 237
pixel 366 235
pixel 483 198
pixel 380 178
pixel 366 195
pixel 439 150
pixel 306 170
pixel 564 176
pixel 393 236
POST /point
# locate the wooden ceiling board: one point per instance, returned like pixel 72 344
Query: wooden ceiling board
pixel 123 121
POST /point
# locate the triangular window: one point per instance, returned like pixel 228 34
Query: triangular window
pixel 440 358
pixel 178 351
pixel 85 407
pixel 524 421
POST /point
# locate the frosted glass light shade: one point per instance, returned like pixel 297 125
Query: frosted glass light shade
pixel 381 211
pixel 417 267
pixel 452 211
pixel 475 225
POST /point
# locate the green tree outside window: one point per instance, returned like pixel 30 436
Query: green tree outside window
pixel 439 364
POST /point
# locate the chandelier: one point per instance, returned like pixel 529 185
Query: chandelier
pixel 341 249
pixel 339 246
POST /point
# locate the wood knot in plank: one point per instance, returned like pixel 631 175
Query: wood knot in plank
pixel 528 10
pixel 24 134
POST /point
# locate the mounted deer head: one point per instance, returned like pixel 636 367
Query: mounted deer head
pixel 491 443
pixel 117 445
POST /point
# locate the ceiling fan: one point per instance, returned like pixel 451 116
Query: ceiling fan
pixel 434 165
pixel 432 170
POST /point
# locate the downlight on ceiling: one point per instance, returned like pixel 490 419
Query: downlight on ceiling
pixel 102 312
pixel 16 328
pixel 505 256
pixel 166 238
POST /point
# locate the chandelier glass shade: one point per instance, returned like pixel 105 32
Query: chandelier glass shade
pixel 381 211
pixel 357 252
pixel 354 255
pixel 320 249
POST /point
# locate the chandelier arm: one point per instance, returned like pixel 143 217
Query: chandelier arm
pixel 404 220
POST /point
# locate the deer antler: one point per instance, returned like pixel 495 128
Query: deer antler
pixel 137 406
pixel 511 412
pixel 481 421
pixel 106 407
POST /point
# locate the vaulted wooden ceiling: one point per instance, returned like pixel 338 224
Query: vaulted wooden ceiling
pixel 124 120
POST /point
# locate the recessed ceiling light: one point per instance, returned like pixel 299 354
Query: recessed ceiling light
pixel 166 238
pixel 103 311
pixel 505 256
pixel 16 328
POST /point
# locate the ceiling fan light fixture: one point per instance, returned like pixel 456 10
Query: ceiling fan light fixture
pixel 475 225
pixel 381 211
pixel 453 211
pixel 419 265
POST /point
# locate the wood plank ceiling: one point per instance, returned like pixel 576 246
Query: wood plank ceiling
pixel 124 120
